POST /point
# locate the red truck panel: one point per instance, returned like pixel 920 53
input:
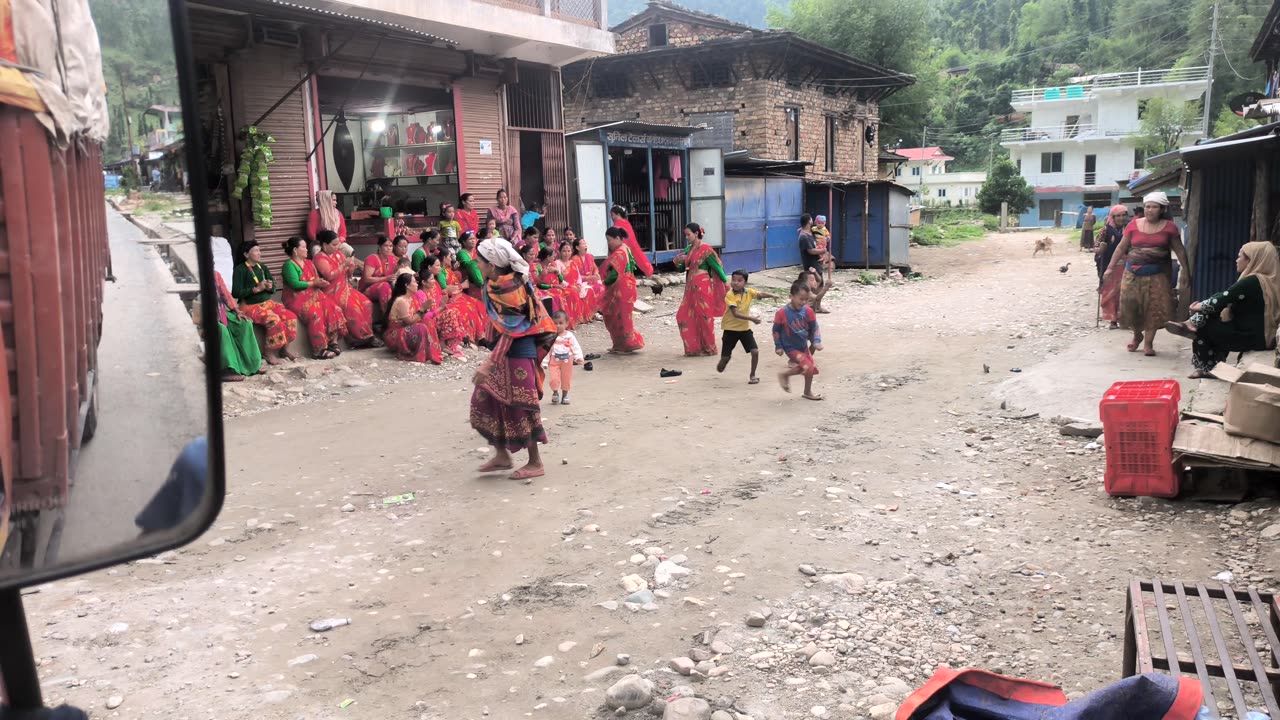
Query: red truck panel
pixel 53 251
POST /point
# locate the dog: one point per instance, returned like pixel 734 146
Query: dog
pixel 1044 244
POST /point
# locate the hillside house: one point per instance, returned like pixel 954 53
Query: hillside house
pixel 925 171
pixel 690 98
pixel 1082 137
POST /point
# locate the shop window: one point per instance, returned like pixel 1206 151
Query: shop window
pixel 1051 162
pixel 792 131
pixel 831 144
pixel 711 74
pixel 1049 209
pixel 657 35
pixel 610 85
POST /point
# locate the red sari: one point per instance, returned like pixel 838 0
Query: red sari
pixel 469 220
pixel 471 312
pixel 379 292
pixel 449 327
pixel 637 253
pixel 620 302
pixel 356 308
pixel 581 307
pixel 703 302
pixel 589 272
pixel 415 342
pixel 548 275
pixel 322 316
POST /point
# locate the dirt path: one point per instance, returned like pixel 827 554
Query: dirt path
pixel 933 526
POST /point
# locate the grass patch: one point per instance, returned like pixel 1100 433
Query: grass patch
pixel 953 226
pixel 866 277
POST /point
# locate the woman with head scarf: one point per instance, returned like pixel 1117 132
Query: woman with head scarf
pixel 1241 318
pixel 505 403
pixel 326 216
pixel 1104 251
pixel 1146 288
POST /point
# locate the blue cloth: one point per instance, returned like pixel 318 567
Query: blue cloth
pixel 1141 697
pixel 524 347
pixel 1144 270
pixel 528 219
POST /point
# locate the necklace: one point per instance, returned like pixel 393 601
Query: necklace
pixel 253 270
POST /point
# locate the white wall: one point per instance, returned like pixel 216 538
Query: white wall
pixel 1114 162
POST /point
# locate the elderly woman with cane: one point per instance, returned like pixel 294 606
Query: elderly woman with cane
pixel 505 403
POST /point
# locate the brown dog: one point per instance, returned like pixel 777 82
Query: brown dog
pixel 1044 244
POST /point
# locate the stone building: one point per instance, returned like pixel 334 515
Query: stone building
pixel 771 93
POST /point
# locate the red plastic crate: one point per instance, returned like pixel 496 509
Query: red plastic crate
pixel 1139 420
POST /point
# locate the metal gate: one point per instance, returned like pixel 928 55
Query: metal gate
pixel 744 224
pixel 783 205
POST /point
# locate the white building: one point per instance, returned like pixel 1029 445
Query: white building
pixel 1081 142
pixel 926 173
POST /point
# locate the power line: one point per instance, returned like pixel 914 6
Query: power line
pixel 1227 56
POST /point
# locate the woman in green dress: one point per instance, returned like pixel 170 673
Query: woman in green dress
pixel 241 355
pixel 253 287
pixel 1241 318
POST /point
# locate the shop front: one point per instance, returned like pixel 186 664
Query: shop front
pixel 656 174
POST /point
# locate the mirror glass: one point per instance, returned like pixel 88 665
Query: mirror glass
pixel 103 378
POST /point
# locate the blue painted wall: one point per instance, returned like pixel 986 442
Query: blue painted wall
pixel 783 206
pixel 744 224
pixel 848 250
pixel 1071 201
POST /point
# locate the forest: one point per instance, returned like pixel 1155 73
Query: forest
pixel 967 55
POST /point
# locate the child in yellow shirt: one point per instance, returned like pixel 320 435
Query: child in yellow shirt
pixel 737 321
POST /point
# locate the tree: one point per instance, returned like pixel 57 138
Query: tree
pixel 1005 185
pixel 1163 124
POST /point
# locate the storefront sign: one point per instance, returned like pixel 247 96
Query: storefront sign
pixel 486 147
pixel 659 141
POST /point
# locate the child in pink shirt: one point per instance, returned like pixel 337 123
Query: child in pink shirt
pixel 565 353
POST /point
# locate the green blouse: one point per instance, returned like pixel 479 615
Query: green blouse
pixel 1248 315
pixel 470 270
pixel 442 277
pixel 713 267
pixel 244 278
pixel 292 275
pixel 612 276
pixel 418 259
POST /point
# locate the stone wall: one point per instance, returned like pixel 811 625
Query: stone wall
pixel 679 34
pixel 759 116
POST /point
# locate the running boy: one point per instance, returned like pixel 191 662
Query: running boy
pixel 796 335
pixel 565 353
pixel 736 323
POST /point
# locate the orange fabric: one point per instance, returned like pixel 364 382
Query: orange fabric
pixel 1029 691
pixel 1187 704
pixel 14 88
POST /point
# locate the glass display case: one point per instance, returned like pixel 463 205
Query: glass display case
pixel 412 146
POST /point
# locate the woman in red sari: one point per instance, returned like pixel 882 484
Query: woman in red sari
pixel 704 292
pixel 411 329
pixel 585 263
pixel 336 268
pixel 576 304
pixel 504 406
pixel 620 295
pixel 466 215
pixel 378 274
pixel 621 222
pixel 470 310
pixel 304 296
pixel 431 291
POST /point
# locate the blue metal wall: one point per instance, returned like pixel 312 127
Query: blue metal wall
pixel 848 249
pixel 1226 205
pixel 744 219
pixel 783 205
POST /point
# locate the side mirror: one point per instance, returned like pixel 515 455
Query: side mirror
pixel 110 394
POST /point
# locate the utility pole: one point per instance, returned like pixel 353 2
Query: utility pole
pixel 128 122
pixel 924 135
pixel 1213 47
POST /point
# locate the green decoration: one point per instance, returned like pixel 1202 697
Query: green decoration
pixel 254 175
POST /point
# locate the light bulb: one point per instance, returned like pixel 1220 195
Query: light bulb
pixel 378 125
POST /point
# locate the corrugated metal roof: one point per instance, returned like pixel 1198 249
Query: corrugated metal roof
pixel 1154 180
pixel 1221 150
pixel 635 126
pixel 362 19
pixel 929 153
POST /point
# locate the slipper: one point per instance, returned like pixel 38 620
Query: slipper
pixel 1179 329
pixel 1199 375
pixel 525 473
pixel 669 373
pixel 754 381
pixel 587 366
pixel 591 356
pixel 811 397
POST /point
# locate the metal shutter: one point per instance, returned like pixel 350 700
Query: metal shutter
pixel 481 120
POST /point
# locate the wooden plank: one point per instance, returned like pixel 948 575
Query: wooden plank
pixel 1246 639
pixel 1197 654
pixel 1139 621
pixel 1228 668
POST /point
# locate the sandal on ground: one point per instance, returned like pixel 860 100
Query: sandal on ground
pixel 1200 375
pixel 754 381
pixel 326 354
pixel 526 473
pixel 1179 329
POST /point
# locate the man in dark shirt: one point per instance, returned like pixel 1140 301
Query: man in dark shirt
pixel 810 255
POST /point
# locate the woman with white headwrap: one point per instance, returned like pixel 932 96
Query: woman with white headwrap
pixel 505 403
pixel 1146 290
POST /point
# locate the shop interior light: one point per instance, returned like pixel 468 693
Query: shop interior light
pixel 378 125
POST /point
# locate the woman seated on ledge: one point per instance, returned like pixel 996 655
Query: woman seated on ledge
pixel 1241 318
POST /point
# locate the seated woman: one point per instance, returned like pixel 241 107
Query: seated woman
pixel 326 216
pixel 241 355
pixel 465 256
pixel 546 281
pixel 471 312
pixel 430 240
pixel 579 308
pixel 252 286
pixel 379 272
pixel 336 268
pixel 586 265
pixel 1241 318
pixel 411 331
pixel 304 296
pixel 434 294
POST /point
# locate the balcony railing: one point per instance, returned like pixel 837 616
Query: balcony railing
pixel 1088 179
pixel 1084 87
pixel 586 12
pixel 1086 131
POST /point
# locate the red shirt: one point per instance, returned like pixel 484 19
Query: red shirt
pixel 468 219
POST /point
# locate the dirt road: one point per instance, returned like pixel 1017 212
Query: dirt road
pixel 931 526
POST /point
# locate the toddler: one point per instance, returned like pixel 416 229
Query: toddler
pixel 565 353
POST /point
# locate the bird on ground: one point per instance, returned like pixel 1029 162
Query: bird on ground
pixel 1063 269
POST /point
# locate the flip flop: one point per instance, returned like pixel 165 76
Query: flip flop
pixel 812 397
pixel 1149 353
pixel 525 473
pixel 754 381
pixel 1179 329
